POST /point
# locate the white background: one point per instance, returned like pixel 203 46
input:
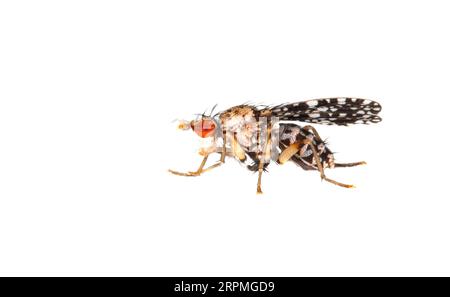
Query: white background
pixel 88 93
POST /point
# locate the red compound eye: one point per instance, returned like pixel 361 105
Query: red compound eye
pixel 204 127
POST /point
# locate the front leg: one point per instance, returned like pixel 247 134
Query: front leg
pixel 192 173
pixel 223 153
pixel 201 168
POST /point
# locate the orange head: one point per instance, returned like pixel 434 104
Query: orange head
pixel 205 127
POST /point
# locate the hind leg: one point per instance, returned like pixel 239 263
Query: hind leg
pixel 316 134
pixel 322 173
pixel 314 131
pixel 295 147
pixel 349 164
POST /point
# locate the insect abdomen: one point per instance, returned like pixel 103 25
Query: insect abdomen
pixel 291 133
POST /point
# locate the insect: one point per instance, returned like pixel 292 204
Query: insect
pixel 258 135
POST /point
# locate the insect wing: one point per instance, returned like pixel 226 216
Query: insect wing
pixel 330 111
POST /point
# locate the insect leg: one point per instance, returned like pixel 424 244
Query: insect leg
pixel 294 148
pixel 192 173
pixel 314 131
pixel 288 152
pixel 320 168
pixel 223 153
pixel 236 149
pixel 260 171
pixel 224 146
pixel 349 164
pixel 201 168
pixel 265 153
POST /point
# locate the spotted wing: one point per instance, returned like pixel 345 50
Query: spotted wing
pixel 330 111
